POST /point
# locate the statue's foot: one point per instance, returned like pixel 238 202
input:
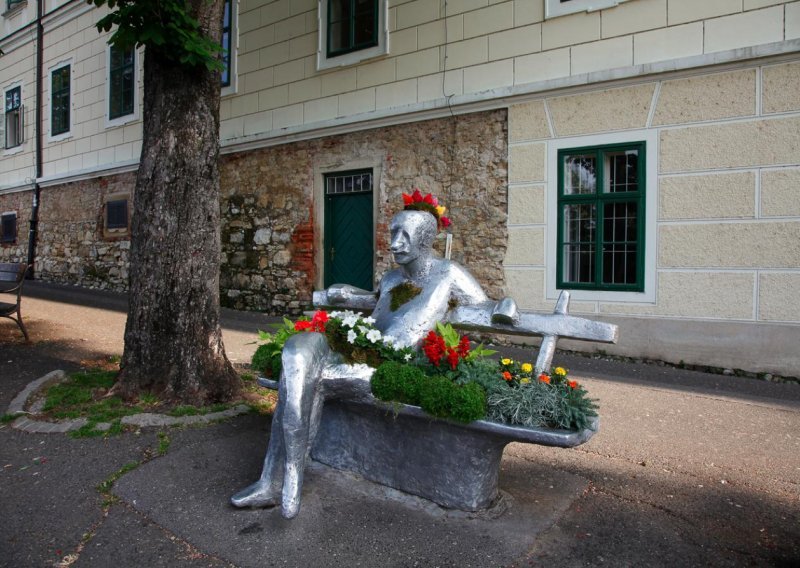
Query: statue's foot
pixel 292 486
pixel 259 494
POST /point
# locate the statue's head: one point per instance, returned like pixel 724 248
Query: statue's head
pixel 412 234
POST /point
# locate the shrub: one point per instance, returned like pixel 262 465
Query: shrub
pixel 262 358
pixel 443 398
pixel 394 381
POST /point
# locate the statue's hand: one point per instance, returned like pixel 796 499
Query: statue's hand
pixel 339 293
pixel 506 312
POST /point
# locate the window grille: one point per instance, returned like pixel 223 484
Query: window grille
pixel 348 182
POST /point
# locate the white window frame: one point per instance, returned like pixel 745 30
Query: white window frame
pixel 134 116
pixel 49 115
pixel 325 62
pixel 554 8
pixel 650 137
pixel 232 89
pixel 21 146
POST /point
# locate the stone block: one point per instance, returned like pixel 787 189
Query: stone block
pixel 454 28
pixel 527 12
pixel 416 13
pixel 305 90
pixel 602 111
pixel 707 97
pixel 541 66
pixel 289 72
pixel 527 121
pixel 526 286
pixel 707 196
pixel 437 86
pixel 780 193
pixel 668 43
pixel 525 246
pixel 422 62
pixel 303 46
pixel 287 116
pixel 526 162
pixel 403 41
pixel 753 4
pixel 727 295
pixel 431 34
pixel 273 98
pixel 730 245
pixel 632 17
pixel 517 41
pixel 792 23
pixel 356 102
pixel 740 144
pixel 744 30
pixel 468 52
pixel 682 11
pixel 571 30
pixel 378 73
pixel 777 296
pixel 601 55
pixel 525 205
pixel 462 6
pixel 320 109
pixel 781 88
pixel 489 76
pixel 258 122
pixel 337 82
pixel 396 94
pixel 489 20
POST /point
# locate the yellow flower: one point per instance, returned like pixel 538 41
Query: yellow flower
pixel 527 367
pixel 560 371
pixel 525 381
pixel 441 209
pixel 506 361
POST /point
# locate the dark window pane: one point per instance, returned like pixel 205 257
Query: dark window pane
pixel 9 228
pixel 622 171
pixel 578 264
pixel 117 214
pixel 59 116
pixel 339 36
pixel 225 55
pixel 121 83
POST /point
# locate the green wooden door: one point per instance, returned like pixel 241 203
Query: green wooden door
pixel 348 237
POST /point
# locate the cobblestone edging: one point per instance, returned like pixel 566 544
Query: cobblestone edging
pixel 142 420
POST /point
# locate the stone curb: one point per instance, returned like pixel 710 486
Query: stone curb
pixel 142 420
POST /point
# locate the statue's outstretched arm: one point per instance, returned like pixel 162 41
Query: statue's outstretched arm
pixel 345 296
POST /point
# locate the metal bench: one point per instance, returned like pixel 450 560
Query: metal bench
pixel 12 277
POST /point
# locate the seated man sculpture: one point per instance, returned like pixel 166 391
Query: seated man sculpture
pixel 311 372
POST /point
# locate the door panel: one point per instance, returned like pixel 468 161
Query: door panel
pixel 348 240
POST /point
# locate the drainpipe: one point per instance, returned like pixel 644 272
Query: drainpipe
pixel 33 232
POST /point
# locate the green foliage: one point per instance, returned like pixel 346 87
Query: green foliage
pixel 163 443
pixel 105 486
pixel 443 398
pixel 541 405
pixel 402 293
pixel 163 26
pixel 78 389
pixel 437 395
pixel 9 417
pixel 267 358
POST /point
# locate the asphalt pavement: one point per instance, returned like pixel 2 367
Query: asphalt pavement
pixel 688 469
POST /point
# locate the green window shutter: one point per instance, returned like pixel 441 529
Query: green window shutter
pixel 601 218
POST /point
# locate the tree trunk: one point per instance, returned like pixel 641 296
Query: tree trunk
pixel 173 340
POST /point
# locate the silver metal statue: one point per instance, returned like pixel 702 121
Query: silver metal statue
pixel 312 373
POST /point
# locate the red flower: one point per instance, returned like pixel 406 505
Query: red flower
pixel 319 320
pixel 416 196
pixel 573 384
pixel 428 199
pixel 507 375
pixel 407 199
pixel 434 348
pixel 452 358
pixel 463 346
pixel 444 221
pixel 544 378
pixel 302 325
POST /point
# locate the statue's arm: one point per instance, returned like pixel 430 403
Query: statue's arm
pixel 345 296
pixel 468 292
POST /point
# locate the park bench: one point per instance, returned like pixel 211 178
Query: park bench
pixel 455 465
pixel 12 277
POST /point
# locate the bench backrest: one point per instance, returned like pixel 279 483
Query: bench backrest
pixel 11 275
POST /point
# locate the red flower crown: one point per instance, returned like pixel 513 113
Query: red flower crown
pixel 416 202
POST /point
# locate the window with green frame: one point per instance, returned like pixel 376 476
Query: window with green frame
pixel 59 100
pixel 226 43
pixel 352 25
pixel 121 82
pixel 601 218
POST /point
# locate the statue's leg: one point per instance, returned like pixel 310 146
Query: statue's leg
pixel 304 357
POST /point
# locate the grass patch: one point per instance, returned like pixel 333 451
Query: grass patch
pixel 9 417
pixel 188 410
pixel 163 443
pixel 104 487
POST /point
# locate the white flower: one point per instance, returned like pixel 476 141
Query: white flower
pixel 369 320
pixel 389 340
pixel 362 329
pixel 336 314
pixel 374 335
pixel 350 319
pixel 351 336
pixel 407 356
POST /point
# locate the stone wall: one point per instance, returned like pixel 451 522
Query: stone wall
pixel 268 196
pixel 19 202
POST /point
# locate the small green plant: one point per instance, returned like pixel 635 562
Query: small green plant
pixel 394 381
pixel 9 417
pixel 148 399
pixel 163 443
pixel 443 398
pixel 403 293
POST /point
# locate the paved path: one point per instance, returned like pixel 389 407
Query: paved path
pixel 688 469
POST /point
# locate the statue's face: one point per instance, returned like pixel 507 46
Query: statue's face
pixel 412 235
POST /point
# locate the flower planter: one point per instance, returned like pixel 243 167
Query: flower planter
pixel 400 446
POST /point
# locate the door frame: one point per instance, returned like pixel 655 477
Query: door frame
pixel 330 165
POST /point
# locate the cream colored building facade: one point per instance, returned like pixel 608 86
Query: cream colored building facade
pixel 710 91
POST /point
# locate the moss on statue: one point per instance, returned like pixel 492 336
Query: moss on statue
pixel 402 293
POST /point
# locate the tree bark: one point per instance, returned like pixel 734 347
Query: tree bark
pixel 173 340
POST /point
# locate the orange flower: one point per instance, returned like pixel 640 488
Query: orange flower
pixel 573 384
pixel 507 375
pixel 544 378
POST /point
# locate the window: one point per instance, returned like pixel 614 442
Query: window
pixel 60 101
pixel 351 31
pixel 555 8
pixel 11 4
pixel 121 82
pixel 601 218
pixel 13 119
pixel 116 216
pixel 226 44
pixel 8 226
